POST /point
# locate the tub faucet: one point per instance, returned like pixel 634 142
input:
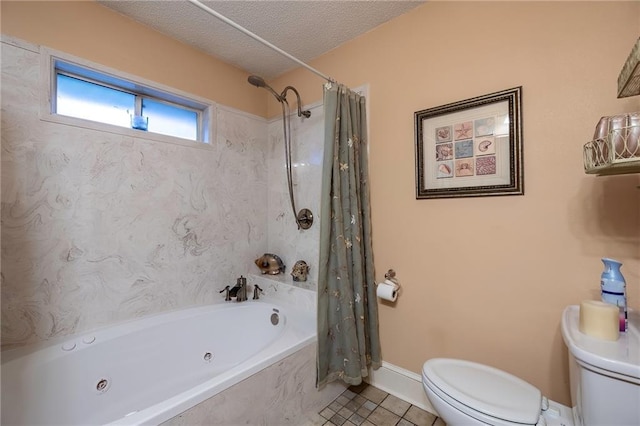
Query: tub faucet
pixel 240 289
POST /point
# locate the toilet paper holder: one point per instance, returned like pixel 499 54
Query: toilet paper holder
pixel 388 290
pixel 390 278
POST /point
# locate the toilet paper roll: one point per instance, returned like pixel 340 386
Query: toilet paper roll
pixel 599 319
pixel 387 291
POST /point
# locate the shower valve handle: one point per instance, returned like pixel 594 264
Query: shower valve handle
pixel 304 219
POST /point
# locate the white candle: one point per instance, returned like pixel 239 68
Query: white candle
pixel 599 319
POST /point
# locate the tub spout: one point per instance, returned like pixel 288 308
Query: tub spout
pixel 233 292
pixel 240 289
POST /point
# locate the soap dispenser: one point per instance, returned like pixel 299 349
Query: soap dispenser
pixel 613 288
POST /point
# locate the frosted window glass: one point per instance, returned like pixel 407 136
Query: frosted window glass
pixel 170 120
pixel 83 99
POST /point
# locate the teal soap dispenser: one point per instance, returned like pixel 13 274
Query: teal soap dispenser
pixel 614 288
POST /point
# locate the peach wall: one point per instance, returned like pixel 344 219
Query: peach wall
pixel 486 279
pixel 94 32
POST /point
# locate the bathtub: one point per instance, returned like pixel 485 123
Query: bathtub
pixel 149 370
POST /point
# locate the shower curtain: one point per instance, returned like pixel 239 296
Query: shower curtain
pixel 348 339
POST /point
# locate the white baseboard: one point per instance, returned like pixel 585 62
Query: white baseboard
pixel 402 383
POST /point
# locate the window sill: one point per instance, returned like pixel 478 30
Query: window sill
pixel 117 130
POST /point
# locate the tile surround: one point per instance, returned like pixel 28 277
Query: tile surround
pixel 99 228
pixel 307 147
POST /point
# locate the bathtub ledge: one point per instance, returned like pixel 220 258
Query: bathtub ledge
pixel 276 290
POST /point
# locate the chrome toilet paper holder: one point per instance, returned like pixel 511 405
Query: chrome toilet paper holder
pixel 390 274
pixel 390 278
pixel 389 289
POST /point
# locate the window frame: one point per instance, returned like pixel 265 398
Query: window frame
pixel 53 62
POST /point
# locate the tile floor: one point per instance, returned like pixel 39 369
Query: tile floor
pixel 366 405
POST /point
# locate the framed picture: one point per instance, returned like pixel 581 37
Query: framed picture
pixel 471 148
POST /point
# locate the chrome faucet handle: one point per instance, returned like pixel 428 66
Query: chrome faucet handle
pixel 256 292
pixel 227 297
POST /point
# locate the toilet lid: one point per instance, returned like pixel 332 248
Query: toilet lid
pixel 485 389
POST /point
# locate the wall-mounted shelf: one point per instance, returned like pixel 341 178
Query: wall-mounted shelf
pixel 629 79
pixel 615 154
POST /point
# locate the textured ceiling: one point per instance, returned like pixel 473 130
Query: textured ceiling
pixel 304 29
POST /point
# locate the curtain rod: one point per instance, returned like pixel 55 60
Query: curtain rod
pixel 258 38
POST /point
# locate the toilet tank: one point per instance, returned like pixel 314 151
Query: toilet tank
pixel 605 375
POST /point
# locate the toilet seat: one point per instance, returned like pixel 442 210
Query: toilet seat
pixel 484 392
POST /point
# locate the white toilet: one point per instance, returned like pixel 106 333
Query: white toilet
pixel 605 385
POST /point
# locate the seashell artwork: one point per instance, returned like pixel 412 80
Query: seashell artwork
pixel 443 168
pixel 463 130
pixel 300 271
pixel 270 264
pixel 443 134
pixel 444 152
pixel 484 145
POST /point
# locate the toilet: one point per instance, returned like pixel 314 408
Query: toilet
pixel 604 377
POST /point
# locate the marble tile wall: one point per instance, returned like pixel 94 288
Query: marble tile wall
pixel 98 227
pixel 284 238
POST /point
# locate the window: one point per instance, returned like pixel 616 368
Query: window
pixel 82 99
pixel 91 95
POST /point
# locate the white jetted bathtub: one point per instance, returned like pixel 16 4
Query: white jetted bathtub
pixel 148 370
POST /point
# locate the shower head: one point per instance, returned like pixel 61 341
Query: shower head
pixel 256 81
pixel 259 82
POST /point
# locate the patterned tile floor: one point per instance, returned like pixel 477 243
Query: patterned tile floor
pixel 366 405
